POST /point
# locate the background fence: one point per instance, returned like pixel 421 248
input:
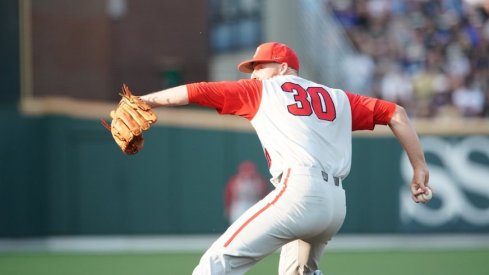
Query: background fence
pixel 64 176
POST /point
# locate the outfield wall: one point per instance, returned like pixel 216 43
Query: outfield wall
pixel 63 175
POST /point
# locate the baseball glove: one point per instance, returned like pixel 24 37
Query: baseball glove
pixel 131 117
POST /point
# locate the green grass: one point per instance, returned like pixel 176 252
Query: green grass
pixel 460 262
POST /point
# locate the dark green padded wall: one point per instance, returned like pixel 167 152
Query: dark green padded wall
pixel 65 176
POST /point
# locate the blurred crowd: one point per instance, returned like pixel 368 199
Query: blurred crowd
pixel 430 56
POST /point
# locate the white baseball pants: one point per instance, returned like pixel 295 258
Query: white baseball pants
pixel 301 215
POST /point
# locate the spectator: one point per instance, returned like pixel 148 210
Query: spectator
pixel 359 67
pixel 469 99
pixel 396 86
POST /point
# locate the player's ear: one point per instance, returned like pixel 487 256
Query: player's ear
pixel 283 68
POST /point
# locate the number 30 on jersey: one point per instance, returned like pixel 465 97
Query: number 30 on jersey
pixel 312 99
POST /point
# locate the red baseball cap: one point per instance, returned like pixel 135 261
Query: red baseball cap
pixel 271 52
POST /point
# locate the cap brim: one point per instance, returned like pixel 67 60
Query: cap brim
pixel 247 66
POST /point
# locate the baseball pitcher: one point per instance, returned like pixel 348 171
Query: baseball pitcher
pixel 305 129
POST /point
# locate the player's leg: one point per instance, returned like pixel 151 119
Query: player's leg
pixel 256 234
pixel 303 256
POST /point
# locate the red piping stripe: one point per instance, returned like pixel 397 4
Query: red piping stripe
pixel 259 211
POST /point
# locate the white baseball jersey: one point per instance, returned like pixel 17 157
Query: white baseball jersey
pixel 299 123
pixel 304 124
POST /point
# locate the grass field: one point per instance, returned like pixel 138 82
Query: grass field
pixel 456 262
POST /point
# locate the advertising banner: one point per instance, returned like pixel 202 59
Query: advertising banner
pixel 459 177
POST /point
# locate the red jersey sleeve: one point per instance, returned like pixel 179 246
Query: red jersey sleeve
pixel 240 98
pixel 368 111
